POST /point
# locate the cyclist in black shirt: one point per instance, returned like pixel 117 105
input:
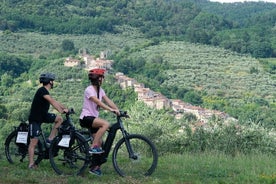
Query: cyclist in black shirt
pixel 39 114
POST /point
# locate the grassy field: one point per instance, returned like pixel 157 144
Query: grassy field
pixel 176 169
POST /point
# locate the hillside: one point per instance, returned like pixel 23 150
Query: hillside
pixel 243 27
pixel 245 14
pixel 49 45
pixel 224 80
pixel 215 71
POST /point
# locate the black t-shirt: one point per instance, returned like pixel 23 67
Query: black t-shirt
pixel 40 105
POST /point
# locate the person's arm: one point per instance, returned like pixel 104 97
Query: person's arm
pixel 61 105
pixel 58 106
pixel 105 106
pixel 110 103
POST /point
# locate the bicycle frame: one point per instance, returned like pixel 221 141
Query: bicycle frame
pixel 112 132
pixel 43 149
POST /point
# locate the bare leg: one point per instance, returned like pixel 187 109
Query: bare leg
pixel 103 125
pixel 31 150
pixel 57 124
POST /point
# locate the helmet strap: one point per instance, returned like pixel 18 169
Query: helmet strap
pixel 52 84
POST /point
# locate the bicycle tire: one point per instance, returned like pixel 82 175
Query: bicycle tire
pixel 145 151
pixel 72 160
pixel 17 153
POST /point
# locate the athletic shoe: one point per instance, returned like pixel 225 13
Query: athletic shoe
pixel 96 150
pixel 33 166
pixel 96 171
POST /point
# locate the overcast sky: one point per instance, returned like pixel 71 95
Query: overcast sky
pixel 231 1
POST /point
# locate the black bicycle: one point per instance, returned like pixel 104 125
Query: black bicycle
pixel 17 143
pixel 133 155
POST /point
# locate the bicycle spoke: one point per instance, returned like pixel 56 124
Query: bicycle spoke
pixel 15 153
pixel 69 161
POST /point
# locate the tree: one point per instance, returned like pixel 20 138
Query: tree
pixel 68 45
pixel 3 110
pixel 261 49
pixel 193 98
pixel 6 80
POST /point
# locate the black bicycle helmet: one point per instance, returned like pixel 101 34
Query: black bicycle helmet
pixel 45 78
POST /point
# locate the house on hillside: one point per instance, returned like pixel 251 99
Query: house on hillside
pixel 149 97
pixel 89 61
pixel 159 101
pixel 162 102
pixel 176 105
pixel 70 62
pixel 153 99
pixel 125 81
pixel 103 63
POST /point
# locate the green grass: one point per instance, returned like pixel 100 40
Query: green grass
pixel 177 169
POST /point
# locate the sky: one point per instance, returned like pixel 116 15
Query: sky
pixel 231 1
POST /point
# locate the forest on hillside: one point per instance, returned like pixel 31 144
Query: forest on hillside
pixel 241 27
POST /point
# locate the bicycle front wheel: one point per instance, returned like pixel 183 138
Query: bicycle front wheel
pixel 135 156
pixel 71 160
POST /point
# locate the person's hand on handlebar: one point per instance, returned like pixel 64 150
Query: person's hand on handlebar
pixel 65 110
pixel 115 111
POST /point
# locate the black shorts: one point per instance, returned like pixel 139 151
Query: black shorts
pixel 35 126
pixel 87 122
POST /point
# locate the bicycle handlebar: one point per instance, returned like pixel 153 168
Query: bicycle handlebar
pixel 70 111
pixel 123 114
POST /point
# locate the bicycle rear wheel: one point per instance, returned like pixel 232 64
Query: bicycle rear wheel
pixel 72 160
pixel 15 152
pixel 141 162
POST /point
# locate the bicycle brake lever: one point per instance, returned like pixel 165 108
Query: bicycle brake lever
pixel 124 114
pixel 71 111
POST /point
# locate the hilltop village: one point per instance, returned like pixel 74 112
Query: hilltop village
pixel 149 97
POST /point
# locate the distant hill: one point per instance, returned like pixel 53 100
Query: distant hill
pixel 244 14
pixel 224 80
pixel 240 27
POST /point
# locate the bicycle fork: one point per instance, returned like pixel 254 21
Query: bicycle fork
pixel 129 147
